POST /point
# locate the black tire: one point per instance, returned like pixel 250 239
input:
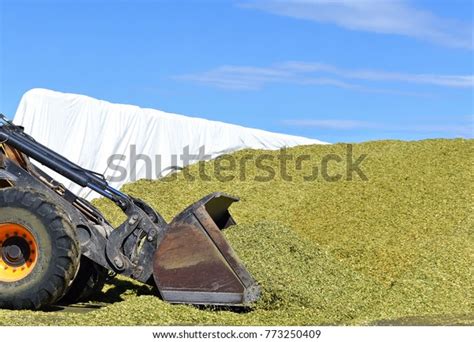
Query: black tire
pixel 89 282
pixel 57 255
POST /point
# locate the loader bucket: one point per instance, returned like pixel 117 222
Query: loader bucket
pixel 195 264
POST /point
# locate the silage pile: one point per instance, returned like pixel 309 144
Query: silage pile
pixel 399 244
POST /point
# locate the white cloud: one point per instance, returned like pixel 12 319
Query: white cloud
pixel 332 124
pixel 388 17
pixel 303 73
pixel 238 77
pixel 377 75
pixel 462 130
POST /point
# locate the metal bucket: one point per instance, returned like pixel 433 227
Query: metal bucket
pixel 195 264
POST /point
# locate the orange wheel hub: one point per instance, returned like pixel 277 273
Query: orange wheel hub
pixel 18 252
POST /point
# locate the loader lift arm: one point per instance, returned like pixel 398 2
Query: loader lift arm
pixel 189 259
pixel 16 138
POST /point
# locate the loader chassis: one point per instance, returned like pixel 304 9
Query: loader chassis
pixel 189 259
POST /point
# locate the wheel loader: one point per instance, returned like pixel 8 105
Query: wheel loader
pixel 56 247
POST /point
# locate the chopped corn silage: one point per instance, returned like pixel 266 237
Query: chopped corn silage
pixel 397 245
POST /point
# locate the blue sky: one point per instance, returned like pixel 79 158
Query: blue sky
pixel 332 70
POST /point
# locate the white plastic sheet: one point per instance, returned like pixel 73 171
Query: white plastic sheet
pixel 89 132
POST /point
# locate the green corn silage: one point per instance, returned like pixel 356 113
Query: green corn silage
pixel 399 244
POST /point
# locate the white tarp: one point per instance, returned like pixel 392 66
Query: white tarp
pixel 89 132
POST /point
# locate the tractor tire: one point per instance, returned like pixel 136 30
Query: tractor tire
pixel 39 250
pixel 89 282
